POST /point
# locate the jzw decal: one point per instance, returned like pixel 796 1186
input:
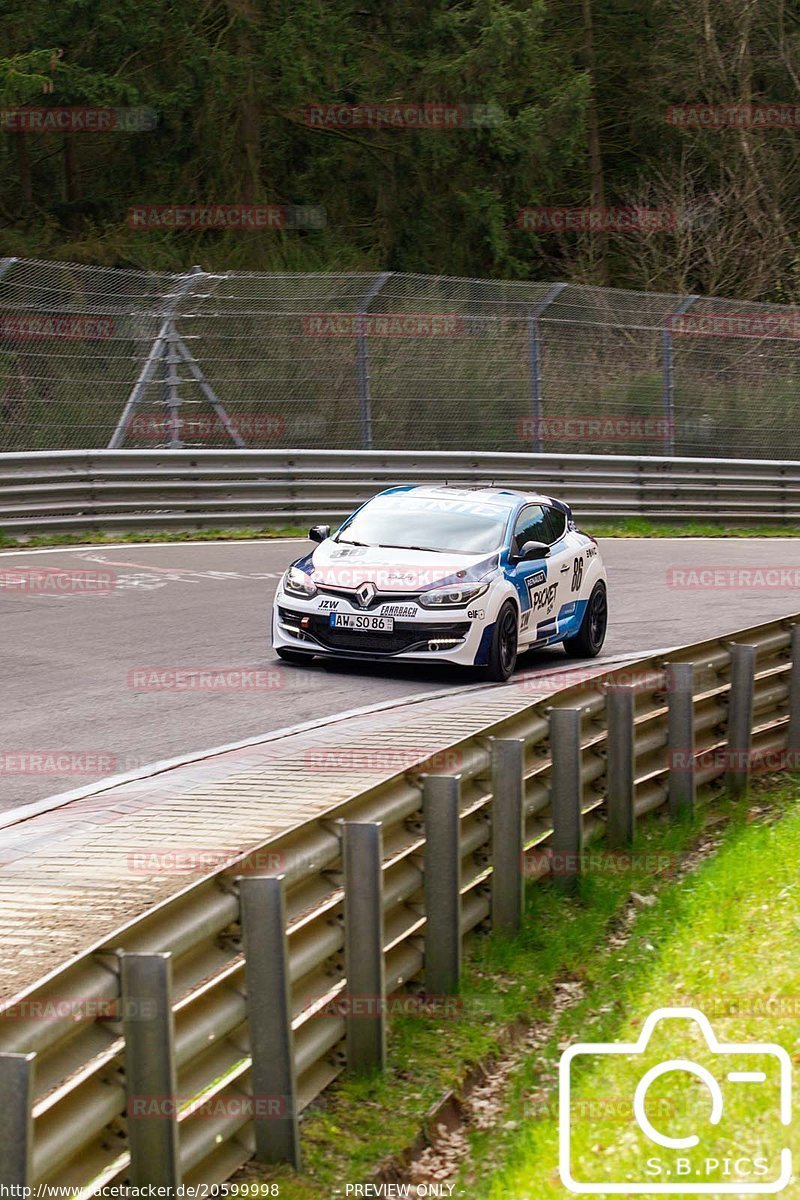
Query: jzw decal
pixel 329 603
pixel 544 599
pixel 591 552
pixel 577 575
pixel 534 580
pixel 524 621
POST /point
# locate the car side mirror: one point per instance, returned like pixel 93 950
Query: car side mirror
pixel 531 551
pixel 318 533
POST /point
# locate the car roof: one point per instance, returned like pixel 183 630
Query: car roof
pixel 504 497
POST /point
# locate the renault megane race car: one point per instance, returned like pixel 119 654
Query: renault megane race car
pixel 443 574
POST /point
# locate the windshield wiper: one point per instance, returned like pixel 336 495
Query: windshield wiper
pixel 349 542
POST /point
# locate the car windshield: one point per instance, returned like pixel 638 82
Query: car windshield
pixel 460 525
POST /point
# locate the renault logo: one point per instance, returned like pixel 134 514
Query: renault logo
pixel 366 594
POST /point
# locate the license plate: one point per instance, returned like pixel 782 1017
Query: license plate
pixel 342 620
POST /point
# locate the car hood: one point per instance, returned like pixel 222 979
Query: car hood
pixel 335 565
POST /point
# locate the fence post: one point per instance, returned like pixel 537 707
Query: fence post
pixel 172 395
pixel 442 864
pixel 534 361
pixel 16 1120
pixel 681 783
pixel 740 718
pixel 150 1079
pixel 793 732
pixel 508 833
pixel 566 794
pixel 362 360
pixel 621 817
pixel 269 1016
pixel 6 264
pixel 155 355
pixel 668 379
pixel 362 859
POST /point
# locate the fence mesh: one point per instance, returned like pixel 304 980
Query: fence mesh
pixel 92 357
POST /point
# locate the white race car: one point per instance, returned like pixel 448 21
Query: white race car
pixel 443 574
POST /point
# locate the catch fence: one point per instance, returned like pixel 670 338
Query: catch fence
pixel 92 357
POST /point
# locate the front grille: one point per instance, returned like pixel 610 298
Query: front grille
pixel 377 600
pixel 404 636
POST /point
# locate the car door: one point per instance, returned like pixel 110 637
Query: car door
pixel 542 584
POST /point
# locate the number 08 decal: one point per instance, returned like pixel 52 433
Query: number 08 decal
pixel 577 575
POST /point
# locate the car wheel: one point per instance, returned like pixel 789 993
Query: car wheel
pixel 293 656
pixel 503 650
pixel 588 641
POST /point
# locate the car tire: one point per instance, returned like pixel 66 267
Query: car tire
pixel 588 641
pixel 298 657
pixel 504 645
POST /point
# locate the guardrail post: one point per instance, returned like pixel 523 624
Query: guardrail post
pixel 150 1079
pixel 442 863
pixel 16 1120
pixel 566 796
pixel 621 775
pixel 793 732
pixel 269 1015
pixel 681 783
pixel 508 833
pixel 740 718
pixel 362 858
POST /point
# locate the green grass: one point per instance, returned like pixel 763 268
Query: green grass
pixel 360 1123
pixel 725 941
pixel 94 538
pixel 634 527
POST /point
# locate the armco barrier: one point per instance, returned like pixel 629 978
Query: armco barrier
pixel 203 1028
pixel 200 489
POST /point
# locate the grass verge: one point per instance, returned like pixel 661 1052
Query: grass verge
pixel 632 528
pixel 508 982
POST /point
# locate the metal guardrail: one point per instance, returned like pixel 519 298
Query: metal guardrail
pixel 140 489
pixel 219 998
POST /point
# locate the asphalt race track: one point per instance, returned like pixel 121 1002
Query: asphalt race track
pixel 68 660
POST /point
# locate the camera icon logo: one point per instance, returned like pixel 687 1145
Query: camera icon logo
pixel 657 1153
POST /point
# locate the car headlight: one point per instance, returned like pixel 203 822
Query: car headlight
pixel 297 583
pixel 455 596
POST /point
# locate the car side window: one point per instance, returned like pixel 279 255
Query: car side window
pixel 531 526
pixel 556 523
